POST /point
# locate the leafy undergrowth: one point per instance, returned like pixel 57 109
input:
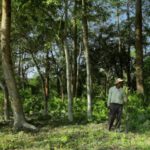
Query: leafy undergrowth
pixel 89 136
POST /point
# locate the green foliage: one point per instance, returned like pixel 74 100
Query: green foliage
pixel 79 109
pixel 100 111
pixel 147 77
pixel 58 109
pixel 136 114
pixel 56 2
pixel 32 103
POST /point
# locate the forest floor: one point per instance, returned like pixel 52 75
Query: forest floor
pixel 61 136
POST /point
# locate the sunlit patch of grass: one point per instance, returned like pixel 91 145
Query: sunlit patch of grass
pixel 71 137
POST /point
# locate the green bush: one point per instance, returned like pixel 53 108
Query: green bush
pixel 58 108
pixel 80 109
pixel 32 104
pixel 100 111
pixel 136 114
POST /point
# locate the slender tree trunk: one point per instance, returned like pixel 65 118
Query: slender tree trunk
pixel 6 101
pixel 23 74
pixel 87 57
pixel 139 48
pixel 60 87
pixel 128 47
pixel 119 43
pixel 19 118
pixel 19 71
pixel 45 84
pixel 74 77
pixel 78 69
pixel 68 66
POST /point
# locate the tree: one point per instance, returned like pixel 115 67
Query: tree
pixel 129 45
pixel 68 65
pixel 139 48
pixel 6 101
pixel 119 40
pixel 44 79
pixel 88 67
pixel 19 118
pixel 75 37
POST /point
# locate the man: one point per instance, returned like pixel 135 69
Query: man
pixel 116 99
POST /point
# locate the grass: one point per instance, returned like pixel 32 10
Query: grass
pixel 91 136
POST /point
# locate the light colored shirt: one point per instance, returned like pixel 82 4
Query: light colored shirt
pixel 116 95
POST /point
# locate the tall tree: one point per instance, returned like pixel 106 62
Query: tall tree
pixel 139 48
pixel 68 65
pixel 19 118
pixel 44 79
pixel 87 57
pixel 119 40
pixel 128 45
pixel 74 76
pixel 46 87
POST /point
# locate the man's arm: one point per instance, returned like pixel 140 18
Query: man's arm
pixel 109 97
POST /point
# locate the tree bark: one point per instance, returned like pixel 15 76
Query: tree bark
pixel 68 66
pixel 87 57
pixel 119 42
pixel 74 76
pixel 6 101
pixel 128 46
pixel 139 49
pixel 46 85
pixel 19 118
pixel 78 69
pixel 60 87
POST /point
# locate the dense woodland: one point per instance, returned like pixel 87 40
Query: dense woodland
pixel 58 60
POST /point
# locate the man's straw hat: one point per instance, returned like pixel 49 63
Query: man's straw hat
pixel 118 80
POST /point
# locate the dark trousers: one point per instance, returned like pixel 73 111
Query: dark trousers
pixel 115 113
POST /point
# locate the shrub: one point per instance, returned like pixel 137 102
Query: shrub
pixel 136 114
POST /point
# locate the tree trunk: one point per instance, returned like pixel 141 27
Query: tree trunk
pixel 128 46
pixel 87 57
pixel 119 43
pixel 46 85
pixel 60 87
pixel 78 69
pixel 139 49
pixel 6 101
pixel 19 71
pixel 68 66
pixel 6 104
pixel 74 76
pixel 19 119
